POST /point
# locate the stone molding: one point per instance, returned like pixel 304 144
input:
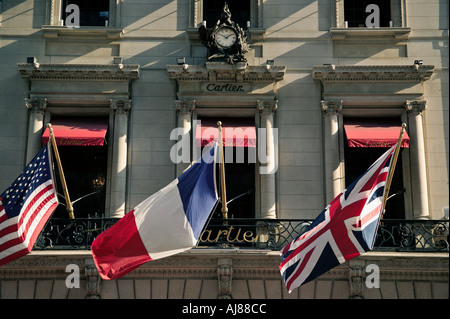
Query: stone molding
pixel 193 263
pixel 228 266
pixel 50 31
pixel 370 73
pixel 222 72
pixel 399 33
pixel 98 72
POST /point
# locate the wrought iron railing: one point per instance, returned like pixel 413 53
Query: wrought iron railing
pixel 273 234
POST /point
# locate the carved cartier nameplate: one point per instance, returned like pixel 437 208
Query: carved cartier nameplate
pixel 209 87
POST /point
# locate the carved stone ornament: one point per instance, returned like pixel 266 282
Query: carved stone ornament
pixel 93 282
pixel 226 41
pixel 36 105
pixel 224 276
pixel 356 278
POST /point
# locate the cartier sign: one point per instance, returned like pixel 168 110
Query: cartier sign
pixel 225 87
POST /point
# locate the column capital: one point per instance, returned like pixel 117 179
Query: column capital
pixel 267 107
pixel 120 106
pixel 415 106
pixel 331 106
pixel 184 107
pixel 36 105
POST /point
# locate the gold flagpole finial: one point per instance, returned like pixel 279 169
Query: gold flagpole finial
pixel 61 173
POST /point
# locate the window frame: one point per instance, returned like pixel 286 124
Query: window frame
pixel 398 32
pixel 398 14
pixel 379 112
pixel 222 113
pixel 64 14
pixel 227 151
pixel 104 194
pixel 55 110
pixel 401 168
pixel 55 15
pixel 255 13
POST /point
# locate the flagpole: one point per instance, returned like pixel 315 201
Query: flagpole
pixel 222 175
pixel 61 173
pixel 392 169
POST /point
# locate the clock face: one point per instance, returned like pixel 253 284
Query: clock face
pixel 226 37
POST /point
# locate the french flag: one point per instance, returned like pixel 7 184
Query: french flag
pixel 167 223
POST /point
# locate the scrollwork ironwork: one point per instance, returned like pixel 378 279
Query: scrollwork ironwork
pixel 273 234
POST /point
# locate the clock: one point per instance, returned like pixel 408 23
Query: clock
pixel 225 37
pixel 226 41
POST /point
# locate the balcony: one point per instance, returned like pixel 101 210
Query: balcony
pixel 265 234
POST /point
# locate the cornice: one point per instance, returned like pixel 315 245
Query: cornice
pixel 117 72
pixel 223 72
pixel 84 32
pixel 370 33
pixel 372 73
pixel 256 264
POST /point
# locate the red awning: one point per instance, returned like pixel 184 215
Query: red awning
pixel 374 132
pixel 78 131
pixel 237 132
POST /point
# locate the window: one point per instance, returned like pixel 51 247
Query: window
pixel 85 173
pixel 355 13
pixel 92 13
pixel 240 11
pixel 240 183
pixel 84 161
pixel 358 158
pixel 239 170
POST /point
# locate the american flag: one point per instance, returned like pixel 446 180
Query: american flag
pixel 25 207
pixel 345 229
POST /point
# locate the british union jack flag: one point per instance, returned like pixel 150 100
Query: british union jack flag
pixel 345 229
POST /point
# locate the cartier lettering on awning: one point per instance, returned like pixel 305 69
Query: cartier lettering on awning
pixel 78 131
pixel 237 132
pixel 380 132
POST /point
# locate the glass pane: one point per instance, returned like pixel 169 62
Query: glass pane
pixel 240 11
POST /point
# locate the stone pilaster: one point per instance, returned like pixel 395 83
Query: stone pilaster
pixel 331 141
pixel 267 157
pixel 121 109
pixel 37 108
pixel 418 159
pixel 184 112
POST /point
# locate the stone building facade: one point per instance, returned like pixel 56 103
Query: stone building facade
pixel 312 66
